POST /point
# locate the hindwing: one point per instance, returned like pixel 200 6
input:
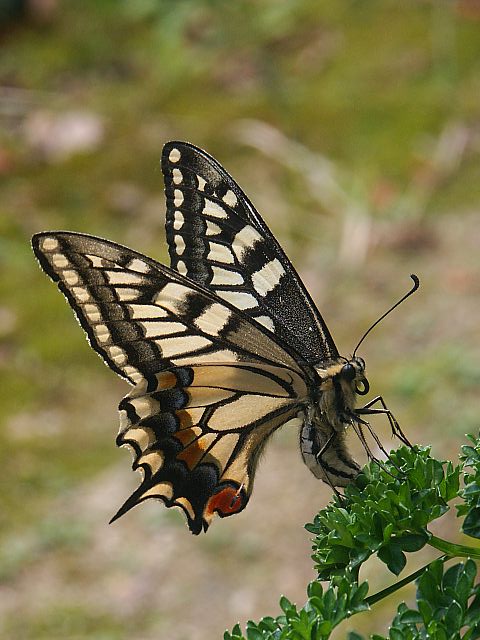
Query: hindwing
pixel 210 386
pixel 197 432
pixel 218 239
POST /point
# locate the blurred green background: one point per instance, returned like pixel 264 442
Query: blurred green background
pixel 354 126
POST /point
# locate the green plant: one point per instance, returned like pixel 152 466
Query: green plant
pixel 386 512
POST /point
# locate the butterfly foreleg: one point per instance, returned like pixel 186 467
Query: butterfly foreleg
pixel 395 427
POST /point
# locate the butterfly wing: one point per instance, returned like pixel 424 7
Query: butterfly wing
pixel 218 239
pixel 209 386
pixel 197 432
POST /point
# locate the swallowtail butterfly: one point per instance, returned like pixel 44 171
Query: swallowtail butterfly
pixel 221 349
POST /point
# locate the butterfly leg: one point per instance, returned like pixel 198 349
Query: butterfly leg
pixel 395 427
pixel 357 424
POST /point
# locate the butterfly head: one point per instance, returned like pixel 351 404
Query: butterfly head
pixel 353 372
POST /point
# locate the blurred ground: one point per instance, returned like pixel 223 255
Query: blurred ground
pixel 355 129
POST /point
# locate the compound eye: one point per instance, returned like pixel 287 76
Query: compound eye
pixel 362 387
pixel 348 372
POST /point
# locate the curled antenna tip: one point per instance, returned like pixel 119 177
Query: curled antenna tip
pixel 416 281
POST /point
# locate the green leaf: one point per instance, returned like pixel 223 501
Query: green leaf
pixel 393 556
pixel 285 605
pixel 410 616
pixel 471 524
pixel 412 541
pixel 453 618
pixel 235 635
pixel 315 589
pixel 254 634
pixel 325 628
pixel 470 571
pixel 428 588
pixel 471 490
pixel 426 610
pixel 359 595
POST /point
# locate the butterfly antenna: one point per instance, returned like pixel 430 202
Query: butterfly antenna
pixel 416 284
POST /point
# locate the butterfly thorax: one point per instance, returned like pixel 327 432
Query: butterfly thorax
pixel 340 383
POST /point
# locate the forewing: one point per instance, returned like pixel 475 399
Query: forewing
pixel 217 238
pixel 142 317
pixel 197 432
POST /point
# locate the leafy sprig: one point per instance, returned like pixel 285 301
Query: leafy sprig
pixel 386 512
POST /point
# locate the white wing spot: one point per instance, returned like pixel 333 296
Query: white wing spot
pixel 102 333
pixel 216 357
pixel 266 322
pixel 239 299
pixel 71 277
pixel 230 198
pixel 154 460
pixel 96 261
pixel 92 312
pixel 172 297
pixel 143 436
pixel 49 244
pixel 124 420
pixel 179 244
pixel 174 155
pixel 245 239
pixel 158 329
pixel 59 260
pixel 182 268
pixel 178 220
pixel 213 209
pixel 186 505
pixel 224 276
pixel 178 198
pixel 145 406
pixel 133 374
pixel 145 311
pixel 81 294
pixel 118 355
pixel 267 278
pixel 212 228
pixel 123 277
pixel 164 489
pixel 138 265
pixel 172 347
pixel 126 294
pixel 177 176
pixel 201 183
pixel 213 319
pixel 220 253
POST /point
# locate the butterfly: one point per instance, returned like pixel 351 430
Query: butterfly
pixel 221 349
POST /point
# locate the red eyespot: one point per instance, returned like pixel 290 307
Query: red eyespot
pixel 227 501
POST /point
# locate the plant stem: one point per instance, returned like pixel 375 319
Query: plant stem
pixel 398 585
pixel 454 550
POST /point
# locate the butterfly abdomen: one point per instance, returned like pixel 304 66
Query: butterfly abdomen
pixel 325 453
